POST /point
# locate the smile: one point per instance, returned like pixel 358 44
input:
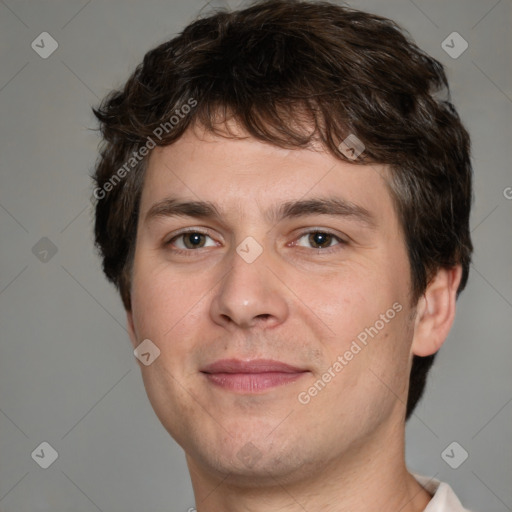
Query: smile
pixel 251 376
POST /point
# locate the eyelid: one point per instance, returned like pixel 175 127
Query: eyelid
pixel 327 231
pixel 184 231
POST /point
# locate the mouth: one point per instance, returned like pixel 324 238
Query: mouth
pixel 252 376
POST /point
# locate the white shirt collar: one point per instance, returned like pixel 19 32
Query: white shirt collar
pixel 443 497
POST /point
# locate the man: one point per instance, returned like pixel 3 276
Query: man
pixel 282 200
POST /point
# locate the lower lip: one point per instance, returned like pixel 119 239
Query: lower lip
pixel 252 382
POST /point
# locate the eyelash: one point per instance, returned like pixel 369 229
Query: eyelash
pixel 327 250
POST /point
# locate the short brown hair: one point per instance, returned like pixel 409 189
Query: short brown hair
pixel 334 71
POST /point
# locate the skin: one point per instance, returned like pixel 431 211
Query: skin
pixel 296 303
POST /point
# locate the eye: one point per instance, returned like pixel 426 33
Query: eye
pixel 190 240
pixel 320 239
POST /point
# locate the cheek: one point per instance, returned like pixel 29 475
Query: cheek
pixel 362 313
pixel 371 379
pixel 159 296
pixel 169 308
pixel 347 301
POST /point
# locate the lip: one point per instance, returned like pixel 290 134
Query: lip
pixel 251 376
pixel 253 366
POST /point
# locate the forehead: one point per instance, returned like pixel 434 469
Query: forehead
pixel 239 174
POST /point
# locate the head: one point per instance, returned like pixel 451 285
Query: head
pixel 249 110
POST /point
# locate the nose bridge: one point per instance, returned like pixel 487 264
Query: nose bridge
pixel 249 293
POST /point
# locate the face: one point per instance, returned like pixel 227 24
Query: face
pixel 280 305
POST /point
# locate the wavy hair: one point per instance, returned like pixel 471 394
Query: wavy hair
pixel 292 72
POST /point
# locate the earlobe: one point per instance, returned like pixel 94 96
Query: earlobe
pixel 436 311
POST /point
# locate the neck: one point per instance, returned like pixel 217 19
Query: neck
pixel 371 476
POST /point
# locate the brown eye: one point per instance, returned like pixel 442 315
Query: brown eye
pixel 320 239
pixel 190 240
pixel 193 240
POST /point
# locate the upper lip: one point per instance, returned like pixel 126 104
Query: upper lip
pixel 252 366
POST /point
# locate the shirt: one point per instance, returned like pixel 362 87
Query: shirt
pixel 443 497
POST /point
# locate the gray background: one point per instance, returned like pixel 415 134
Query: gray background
pixel 67 372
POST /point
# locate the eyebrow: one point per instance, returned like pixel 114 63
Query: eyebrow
pixel 334 206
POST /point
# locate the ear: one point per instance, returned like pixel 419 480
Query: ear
pixel 131 328
pixel 435 312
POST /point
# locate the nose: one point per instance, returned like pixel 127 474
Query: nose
pixel 249 295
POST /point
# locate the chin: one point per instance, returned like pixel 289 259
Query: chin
pixel 253 464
